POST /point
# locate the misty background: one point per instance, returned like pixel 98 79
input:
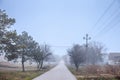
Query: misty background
pixel 63 23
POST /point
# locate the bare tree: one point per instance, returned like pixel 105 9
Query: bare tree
pixel 95 53
pixel 46 52
pixel 37 56
pixel 42 53
pixel 77 55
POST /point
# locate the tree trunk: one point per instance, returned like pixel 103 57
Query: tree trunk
pixel 23 68
pixel 77 66
pixel 37 66
pixel 23 59
pixel 41 66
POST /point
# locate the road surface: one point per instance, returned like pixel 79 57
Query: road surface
pixel 60 72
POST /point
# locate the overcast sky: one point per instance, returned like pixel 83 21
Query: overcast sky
pixel 62 23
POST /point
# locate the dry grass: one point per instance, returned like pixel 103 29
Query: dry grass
pixel 97 72
pixel 15 73
pixel 12 72
pixel 97 78
pixel 18 75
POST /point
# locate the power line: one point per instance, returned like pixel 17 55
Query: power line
pixel 111 27
pixel 108 27
pixel 113 14
pixel 61 46
pixel 103 15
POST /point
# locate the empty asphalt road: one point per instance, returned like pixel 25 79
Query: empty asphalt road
pixel 60 72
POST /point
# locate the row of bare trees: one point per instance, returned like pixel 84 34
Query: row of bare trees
pixel 82 55
pixel 20 46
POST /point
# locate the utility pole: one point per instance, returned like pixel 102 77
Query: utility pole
pixel 86 38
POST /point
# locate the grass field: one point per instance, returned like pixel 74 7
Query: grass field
pixel 11 72
pixel 92 74
pixel 18 75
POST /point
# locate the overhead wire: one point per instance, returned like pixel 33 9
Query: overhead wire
pixel 61 46
pixel 107 9
pixel 112 24
pixel 107 27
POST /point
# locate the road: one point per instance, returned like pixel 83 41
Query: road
pixel 60 72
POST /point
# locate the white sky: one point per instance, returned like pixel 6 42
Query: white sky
pixel 62 23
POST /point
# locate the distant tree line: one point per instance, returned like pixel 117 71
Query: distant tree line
pixel 82 55
pixel 20 46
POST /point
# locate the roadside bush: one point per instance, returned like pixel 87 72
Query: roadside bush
pixel 92 69
pixel 98 70
pixel 112 69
